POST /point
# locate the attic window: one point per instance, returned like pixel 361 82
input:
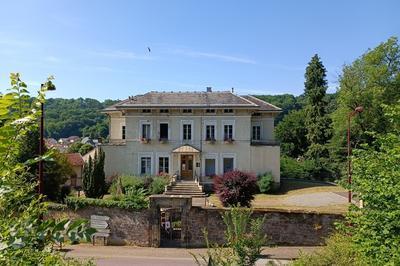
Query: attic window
pixel 146 110
pixel 228 111
pixel 257 114
pixel 187 111
pixel 164 111
pixel 210 111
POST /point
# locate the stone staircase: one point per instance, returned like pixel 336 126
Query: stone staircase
pixel 187 188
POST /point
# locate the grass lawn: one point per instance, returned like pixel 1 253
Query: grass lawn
pixel 300 195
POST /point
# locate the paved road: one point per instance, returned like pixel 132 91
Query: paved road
pixel 126 255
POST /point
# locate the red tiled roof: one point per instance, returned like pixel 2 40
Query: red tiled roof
pixel 75 159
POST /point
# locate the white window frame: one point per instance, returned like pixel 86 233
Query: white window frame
pixel 226 123
pixel 159 129
pixel 167 155
pixel 145 122
pixel 145 155
pixel 209 156
pixel 227 155
pixel 210 123
pixel 187 122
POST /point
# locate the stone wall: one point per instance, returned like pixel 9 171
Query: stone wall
pixel 281 227
pixel 141 228
pixel 127 227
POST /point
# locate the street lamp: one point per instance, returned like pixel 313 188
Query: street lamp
pixel 357 110
pixel 49 86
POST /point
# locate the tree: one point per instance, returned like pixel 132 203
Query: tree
pixel 316 121
pixel 79 147
pixel 371 80
pixel 376 179
pixel 94 182
pixel 291 132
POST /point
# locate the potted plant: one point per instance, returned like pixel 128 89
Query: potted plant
pixel 229 140
pixel 210 140
pixel 145 140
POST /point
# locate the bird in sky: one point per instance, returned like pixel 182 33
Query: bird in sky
pixel 148 48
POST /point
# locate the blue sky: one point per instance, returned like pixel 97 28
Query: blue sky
pixel 98 49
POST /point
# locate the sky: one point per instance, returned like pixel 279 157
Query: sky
pixel 99 49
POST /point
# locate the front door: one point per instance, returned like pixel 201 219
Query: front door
pixel 187 167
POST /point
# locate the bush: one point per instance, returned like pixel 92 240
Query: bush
pixel 65 191
pixel 158 185
pixel 235 188
pixel 147 181
pixel 77 203
pixel 265 182
pixel 339 250
pixel 306 168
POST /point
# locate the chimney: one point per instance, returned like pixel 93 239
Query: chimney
pixel 209 89
pixel 233 90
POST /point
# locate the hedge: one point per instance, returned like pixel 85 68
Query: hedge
pixel 78 203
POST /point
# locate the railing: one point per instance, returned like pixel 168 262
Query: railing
pixel 264 143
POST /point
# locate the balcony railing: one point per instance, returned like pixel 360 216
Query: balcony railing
pixel 264 143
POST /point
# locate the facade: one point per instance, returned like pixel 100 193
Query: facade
pixel 76 162
pixel 193 135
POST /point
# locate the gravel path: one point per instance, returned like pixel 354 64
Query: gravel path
pixel 317 199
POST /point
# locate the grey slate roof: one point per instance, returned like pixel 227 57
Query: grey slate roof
pixel 192 100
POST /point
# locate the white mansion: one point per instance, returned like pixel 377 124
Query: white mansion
pixel 194 135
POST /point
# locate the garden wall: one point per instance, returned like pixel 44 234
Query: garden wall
pixel 281 227
pixel 127 227
pixel 130 227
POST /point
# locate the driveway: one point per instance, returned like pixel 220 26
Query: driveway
pixel 128 255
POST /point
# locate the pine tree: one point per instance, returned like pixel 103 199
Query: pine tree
pixel 94 183
pixel 317 122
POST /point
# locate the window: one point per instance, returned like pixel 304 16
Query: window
pixel 257 114
pixel 123 132
pixel 164 111
pixel 164 131
pixel 145 131
pixel 228 164
pixel 228 132
pixel 146 110
pixel 187 111
pixel 187 131
pixel 209 167
pixel 163 165
pixel 256 133
pixel 145 166
pixel 228 111
pixel 210 111
pixel 210 132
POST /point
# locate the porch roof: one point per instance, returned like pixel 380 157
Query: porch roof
pixel 186 149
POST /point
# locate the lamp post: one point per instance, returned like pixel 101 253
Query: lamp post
pixel 50 87
pixel 357 110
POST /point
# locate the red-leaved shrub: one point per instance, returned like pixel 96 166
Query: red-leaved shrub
pixel 235 188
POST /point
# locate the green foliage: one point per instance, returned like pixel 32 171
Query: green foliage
pixel 244 240
pixel 370 81
pixel 76 117
pixel 79 147
pixel 316 120
pixel 158 185
pixel 340 250
pixel 24 238
pixel 265 182
pixel 94 180
pixel 376 180
pixel 131 203
pixel 286 102
pixel 291 132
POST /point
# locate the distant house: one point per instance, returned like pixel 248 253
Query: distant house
pixel 77 163
pixel 193 135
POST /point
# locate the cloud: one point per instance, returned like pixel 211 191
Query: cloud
pixel 122 55
pixel 222 57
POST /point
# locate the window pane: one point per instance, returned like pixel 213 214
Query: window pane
pixel 228 164
pixel 163 165
pixel 210 167
pixel 123 132
pixel 145 166
pixel 187 132
pixel 164 131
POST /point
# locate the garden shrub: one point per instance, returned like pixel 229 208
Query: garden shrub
pixel 131 203
pixel 265 182
pixel 235 188
pixel 339 250
pixel 147 181
pixel 158 185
